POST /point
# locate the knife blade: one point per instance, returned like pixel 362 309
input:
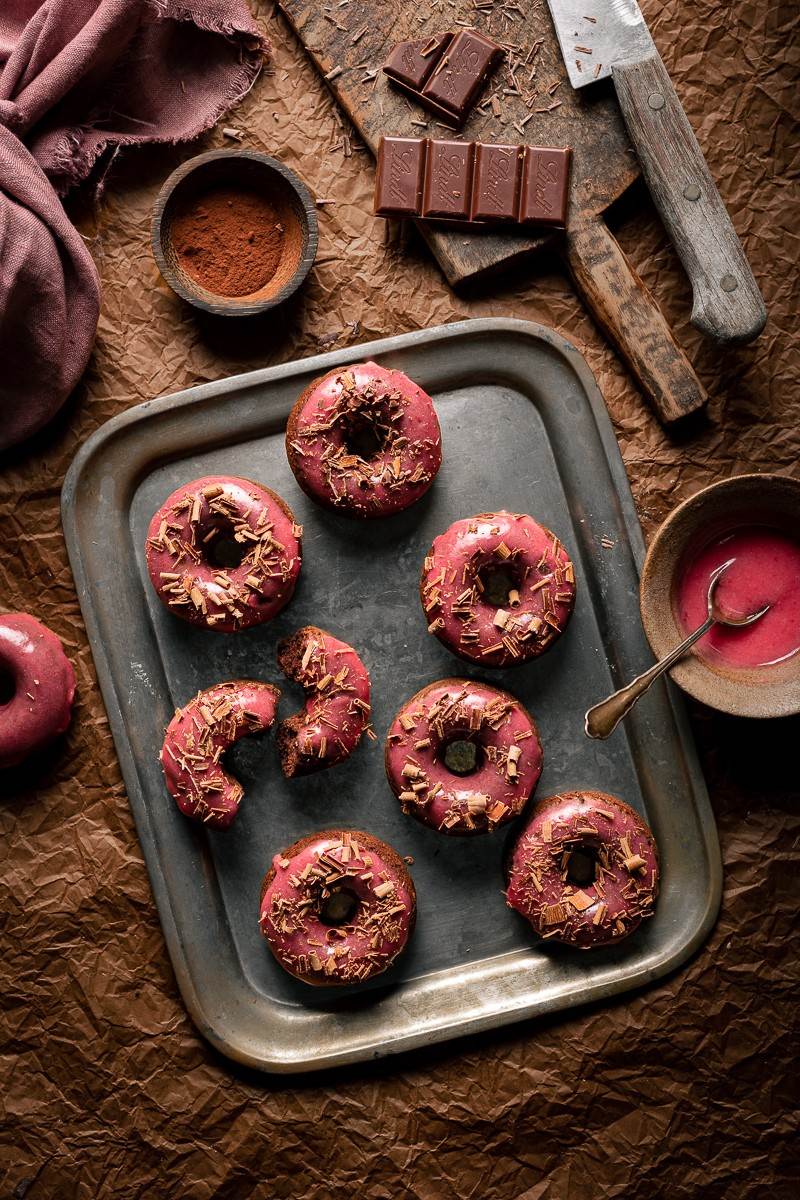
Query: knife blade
pixel 602 38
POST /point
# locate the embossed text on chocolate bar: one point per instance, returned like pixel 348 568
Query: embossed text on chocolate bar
pixel 472 182
pixel 401 168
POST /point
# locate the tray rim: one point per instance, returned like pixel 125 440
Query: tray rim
pixel 225 1039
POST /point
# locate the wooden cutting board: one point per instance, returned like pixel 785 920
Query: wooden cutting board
pixel 529 99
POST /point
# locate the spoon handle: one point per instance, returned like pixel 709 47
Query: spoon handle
pixel 603 718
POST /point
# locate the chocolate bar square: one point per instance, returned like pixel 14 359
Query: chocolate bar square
pixel 398 188
pixel 448 180
pixel 495 187
pixel 545 185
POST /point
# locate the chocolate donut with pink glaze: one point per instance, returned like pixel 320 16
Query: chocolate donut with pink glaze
pixel 583 870
pixel 497 588
pixel 224 553
pixel 198 736
pixel 336 713
pixel 364 441
pixel 463 757
pixel 337 907
pixel 37 687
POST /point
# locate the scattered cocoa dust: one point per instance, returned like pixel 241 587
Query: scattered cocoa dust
pixel 229 241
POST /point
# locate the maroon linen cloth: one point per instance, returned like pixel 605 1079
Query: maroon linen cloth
pixel 78 78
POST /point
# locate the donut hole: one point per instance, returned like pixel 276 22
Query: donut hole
pixel 462 756
pixel 221 549
pixel 581 866
pixel 8 687
pixel 496 582
pixel 365 435
pixel 339 907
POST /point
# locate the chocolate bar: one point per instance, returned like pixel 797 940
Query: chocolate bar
pixel 472 182
pixel 444 73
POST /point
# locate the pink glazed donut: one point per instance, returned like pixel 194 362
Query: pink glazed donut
pixel 336 713
pixel 364 440
pixel 497 588
pixel 198 736
pixel 463 757
pixel 37 687
pixel 584 869
pixel 216 520
pixel 337 907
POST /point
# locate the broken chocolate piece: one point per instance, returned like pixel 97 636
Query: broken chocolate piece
pixel 411 64
pixel 461 73
pixel 444 73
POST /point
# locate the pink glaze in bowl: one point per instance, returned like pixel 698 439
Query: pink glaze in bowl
pixel 718 679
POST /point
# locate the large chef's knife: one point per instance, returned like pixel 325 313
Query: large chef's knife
pixel 599 38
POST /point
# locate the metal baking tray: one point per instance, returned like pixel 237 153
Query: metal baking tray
pixel 524 428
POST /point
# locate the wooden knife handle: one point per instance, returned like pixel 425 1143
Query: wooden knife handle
pixel 633 322
pixel 727 304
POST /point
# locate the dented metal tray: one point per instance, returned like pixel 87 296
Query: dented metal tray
pixel 524 428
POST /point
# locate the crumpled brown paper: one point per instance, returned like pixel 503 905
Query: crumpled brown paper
pixel 685 1089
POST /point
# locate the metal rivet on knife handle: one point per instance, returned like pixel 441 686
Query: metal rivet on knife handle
pixel 691 191
pixel 729 283
pixel 656 100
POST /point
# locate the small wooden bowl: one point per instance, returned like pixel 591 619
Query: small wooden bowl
pixel 251 171
pixel 772 691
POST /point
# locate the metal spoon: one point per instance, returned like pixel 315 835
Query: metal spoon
pixel 603 718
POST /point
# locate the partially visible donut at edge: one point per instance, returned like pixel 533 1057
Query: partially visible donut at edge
pixel 37 688
pixel 364 441
pixel 221 519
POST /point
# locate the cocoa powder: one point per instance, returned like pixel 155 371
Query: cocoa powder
pixel 229 241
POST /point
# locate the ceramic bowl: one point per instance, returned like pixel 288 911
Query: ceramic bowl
pixel 253 171
pixel 772 691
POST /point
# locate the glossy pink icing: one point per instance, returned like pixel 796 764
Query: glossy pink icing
pixel 461 616
pixel 304 875
pixel 337 710
pixel 766 571
pixel 197 737
pixel 231 598
pixel 507 773
pixel 328 470
pixel 626 884
pixel 43 684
